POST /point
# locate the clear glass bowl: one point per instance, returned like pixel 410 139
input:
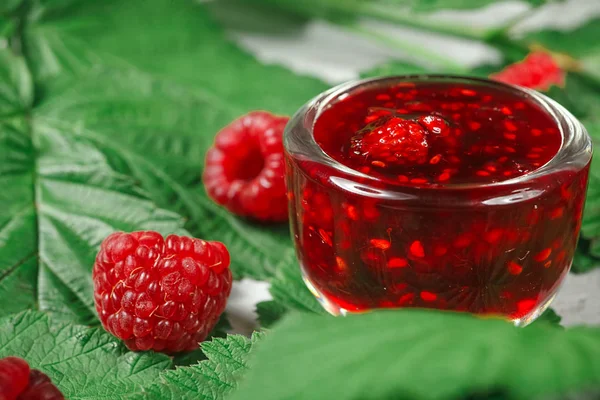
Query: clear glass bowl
pixel 496 248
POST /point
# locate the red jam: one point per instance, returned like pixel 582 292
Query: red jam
pixel 456 134
pixel 428 212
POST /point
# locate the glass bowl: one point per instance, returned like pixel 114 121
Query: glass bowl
pixel 499 248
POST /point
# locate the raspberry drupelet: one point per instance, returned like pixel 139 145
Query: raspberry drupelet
pixel 160 294
pixel 245 169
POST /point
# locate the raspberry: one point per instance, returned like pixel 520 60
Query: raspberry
pixel 160 294
pixel 14 377
pixel 434 125
pixel 245 168
pixel 18 382
pixel 40 388
pixel 537 71
pixel 391 141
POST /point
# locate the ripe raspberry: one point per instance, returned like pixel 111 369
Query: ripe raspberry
pixel 537 71
pixel 18 382
pixel 391 141
pixel 160 294
pixel 245 169
pixel 40 388
pixel 14 377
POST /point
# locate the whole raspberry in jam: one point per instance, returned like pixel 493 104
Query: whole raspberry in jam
pixel 160 294
pixel 245 168
pixel 391 141
pixel 537 71
pixel 434 125
pixel 19 382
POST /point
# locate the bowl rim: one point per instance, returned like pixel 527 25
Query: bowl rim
pixel 574 153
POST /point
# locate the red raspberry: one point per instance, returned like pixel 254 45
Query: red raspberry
pixel 18 382
pixel 40 388
pixel 434 125
pixel 14 377
pixel 537 71
pixel 160 294
pixel 391 141
pixel 245 169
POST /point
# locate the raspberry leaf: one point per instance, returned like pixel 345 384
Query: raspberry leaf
pixel 421 355
pixel 9 5
pixel 580 97
pixel 588 256
pixel 118 139
pixel 270 312
pixel 18 262
pixel 80 200
pixel 289 293
pixel 84 363
pixel 433 5
pixel 289 290
pixel 168 110
pixel 210 379
pixel 17 85
pixel 549 317
pixel 63 196
pixel 571 41
pixel 395 68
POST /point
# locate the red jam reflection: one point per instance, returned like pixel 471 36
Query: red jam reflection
pixel 502 255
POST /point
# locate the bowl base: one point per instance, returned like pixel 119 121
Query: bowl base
pixel 336 310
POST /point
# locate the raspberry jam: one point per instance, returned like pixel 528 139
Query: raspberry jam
pixel 437 192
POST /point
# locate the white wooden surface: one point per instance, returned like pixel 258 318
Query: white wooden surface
pixel 326 52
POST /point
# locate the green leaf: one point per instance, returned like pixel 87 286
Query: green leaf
pixel 575 42
pixel 16 87
pixel 84 363
pixel 79 200
pixel 99 84
pixel 62 196
pixel 580 395
pixel 211 379
pixel 584 261
pixel 18 264
pixel 548 317
pixel 116 139
pixel 578 43
pixel 421 355
pixel 435 5
pixel 18 248
pixel 270 312
pixel 589 242
pixel 203 61
pixel 289 290
pixel 396 68
pixel 582 98
pixel 8 6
